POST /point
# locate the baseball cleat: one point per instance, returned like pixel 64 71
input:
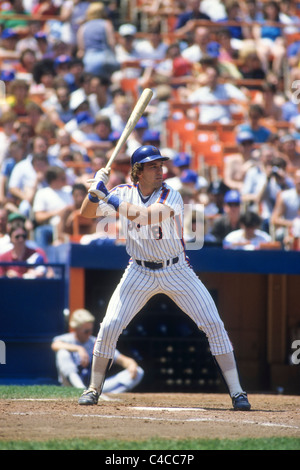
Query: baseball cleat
pixel 240 402
pixel 89 397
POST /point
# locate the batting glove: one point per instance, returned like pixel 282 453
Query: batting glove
pixel 102 175
pixel 97 191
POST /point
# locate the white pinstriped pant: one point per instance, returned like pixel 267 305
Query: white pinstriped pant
pixel 181 284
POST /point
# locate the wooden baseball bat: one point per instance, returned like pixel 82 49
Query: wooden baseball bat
pixel 136 114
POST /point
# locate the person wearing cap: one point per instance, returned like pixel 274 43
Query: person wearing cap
pixel 96 42
pixel 74 352
pixel 101 136
pixel 85 126
pixel 229 220
pixel 9 39
pixel 125 47
pixel 180 162
pixel 249 236
pixel 62 65
pixel 152 215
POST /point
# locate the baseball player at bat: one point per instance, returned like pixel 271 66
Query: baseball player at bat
pixel 151 214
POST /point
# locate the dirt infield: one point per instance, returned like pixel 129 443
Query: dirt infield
pixel 142 416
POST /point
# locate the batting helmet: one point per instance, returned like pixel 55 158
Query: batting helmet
pixel 146 153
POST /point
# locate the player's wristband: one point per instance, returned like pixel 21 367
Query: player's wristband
pixel 114 201
pixel 93 199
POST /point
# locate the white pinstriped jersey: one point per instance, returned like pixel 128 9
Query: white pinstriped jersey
pixel 158 241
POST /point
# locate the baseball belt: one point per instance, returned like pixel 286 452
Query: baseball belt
pixel 153 265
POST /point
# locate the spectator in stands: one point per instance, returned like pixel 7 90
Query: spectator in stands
pixel 7 133
pixel 135 139
pixel 27 39
pixel 18 97
pixel 24 133
pixel 85 126
pixel 26 178
pixel 186 20
pixel 4 236
pixel 102 135
pixel 227 222
pixel 237 164
pixel 45 49
pixel 249 236
pixel 152 47
pixel 227 54
pixel 100 96
pixel 21 253
pixel 44 75
pixel 159 110
pixel 45 7
pixel 291 108
pixel 261 133
pixel 72 13
pixel 270 101
pixel 96 42
pixel 180 162
pixel 288 16
pixel 151 137
pixel 74 220
pixel 57 106
pixel 198 45
pixel 288 148
pixel 251 67
pixel 286 209
pixel 214 206
pixel 74 352
pixel 62 65
pixel 51 206
pixel 126 45
pixel 173 66
pixel 208 97
pixel 233 13
pixel 8 42
pixel 15 8
pixel 269 39
pixel 73 76
pixel 119 111
pixel 14 155
pixel 255 176
pixel 28 60
pixel 274 179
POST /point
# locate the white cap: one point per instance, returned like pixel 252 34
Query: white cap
pixel 127 30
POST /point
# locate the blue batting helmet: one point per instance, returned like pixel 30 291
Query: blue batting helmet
pixel 146 153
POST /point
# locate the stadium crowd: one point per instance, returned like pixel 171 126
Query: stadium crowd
pixel 225 110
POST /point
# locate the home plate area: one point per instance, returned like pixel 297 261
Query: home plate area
pixel 136 417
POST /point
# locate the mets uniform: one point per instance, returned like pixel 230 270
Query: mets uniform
pixel 158 264
pixel 158 243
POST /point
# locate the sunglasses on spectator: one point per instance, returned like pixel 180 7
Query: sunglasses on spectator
pixel 21 235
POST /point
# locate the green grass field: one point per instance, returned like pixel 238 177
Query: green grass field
pixel 10 392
